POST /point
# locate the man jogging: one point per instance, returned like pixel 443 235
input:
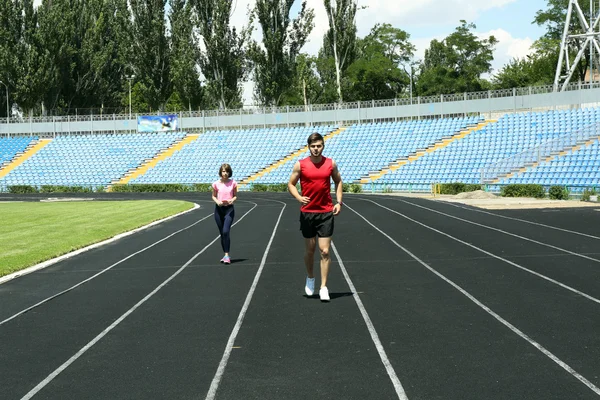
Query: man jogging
pixel 317 210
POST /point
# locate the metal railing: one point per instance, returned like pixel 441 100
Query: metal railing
pixel 537 154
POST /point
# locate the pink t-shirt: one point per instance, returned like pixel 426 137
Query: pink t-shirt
pixel 224 190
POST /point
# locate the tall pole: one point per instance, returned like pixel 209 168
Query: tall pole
pixel 7 106
pixel 130 78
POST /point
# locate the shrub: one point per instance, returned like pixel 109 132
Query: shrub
pixel 458 187
pixel 201 187
pixel 22 189
pixel 558 193
pixel 523 190
pixel 356 188
pixel 145 188
pixel 259 187
pixel 587 193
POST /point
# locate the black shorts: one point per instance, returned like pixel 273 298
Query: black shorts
pixel 313 224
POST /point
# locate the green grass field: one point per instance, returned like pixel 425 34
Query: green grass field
pixel 34 232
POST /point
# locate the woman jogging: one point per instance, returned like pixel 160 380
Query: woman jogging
pixel 224 195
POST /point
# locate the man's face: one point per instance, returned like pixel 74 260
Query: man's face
pixel 316 148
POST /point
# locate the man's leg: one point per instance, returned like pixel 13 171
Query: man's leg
pixel 324 244
pixel 309 255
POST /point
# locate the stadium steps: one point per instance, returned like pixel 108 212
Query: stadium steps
pixel 286 159
pixel 564 152
pixel 422 152
pixel 151 163
pixel 20 158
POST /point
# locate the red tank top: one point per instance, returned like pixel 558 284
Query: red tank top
pixel 315 183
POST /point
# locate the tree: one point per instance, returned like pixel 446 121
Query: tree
pixel 340 39
pixel 151 51
pixel 283 38
pixel 185 56
pixel 536 69
pixel 223 62
pixel 456 64
pixel 379 71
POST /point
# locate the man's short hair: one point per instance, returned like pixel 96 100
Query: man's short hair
pixel 315 137
pixel 227 168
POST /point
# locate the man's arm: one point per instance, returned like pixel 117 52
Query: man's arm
pixel 337 178
pixel 294 178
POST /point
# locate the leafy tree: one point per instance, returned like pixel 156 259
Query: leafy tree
pixel 151 52
pixel 185 57
pixel 340 40
pixel 283 38
pixel 456 64
pixel 223 62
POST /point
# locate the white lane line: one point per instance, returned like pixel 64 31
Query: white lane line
pixel 504 322
pixel 47 263
pixel 504 232
pixel 214 386
pixel 71 360
pixel 587 296
pixel 523 220
pixel 374 336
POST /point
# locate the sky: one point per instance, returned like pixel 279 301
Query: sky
pixel 510 21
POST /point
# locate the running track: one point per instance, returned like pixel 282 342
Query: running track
pixel 429 301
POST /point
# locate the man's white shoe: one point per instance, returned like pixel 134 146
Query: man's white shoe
pixel 324 294
pixel 309 288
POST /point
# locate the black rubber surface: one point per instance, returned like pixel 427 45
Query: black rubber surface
pixel 439 342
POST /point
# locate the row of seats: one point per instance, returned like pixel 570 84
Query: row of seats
pixel 100 159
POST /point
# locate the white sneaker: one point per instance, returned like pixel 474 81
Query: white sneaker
pixel 324 294
pixel 309 288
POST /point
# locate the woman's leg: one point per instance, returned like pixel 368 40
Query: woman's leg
pixel 227 221
pixel 219 219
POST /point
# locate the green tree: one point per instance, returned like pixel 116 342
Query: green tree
pixel 150 53
pixel 223 62
pixel 185 56
pixel 283 39
pixel 340 40
pixel 456 64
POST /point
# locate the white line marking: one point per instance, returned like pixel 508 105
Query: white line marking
pixel 214 386
pixel 71 360
pixel 47 263
pixel 504 232
pixel 522 220
pixel 374 336
pixel 489 311
pixel 104 270
pixel 587 296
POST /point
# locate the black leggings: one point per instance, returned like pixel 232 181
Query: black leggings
pixel 224 217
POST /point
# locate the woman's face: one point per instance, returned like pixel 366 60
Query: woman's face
pixel 224 174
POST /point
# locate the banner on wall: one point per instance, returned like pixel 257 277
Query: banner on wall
pixel 157 123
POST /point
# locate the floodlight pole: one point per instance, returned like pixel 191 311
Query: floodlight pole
pixel 7 106
pixel 592 38
pixel 129 78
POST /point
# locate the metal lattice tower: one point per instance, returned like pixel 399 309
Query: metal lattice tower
pixel 592 43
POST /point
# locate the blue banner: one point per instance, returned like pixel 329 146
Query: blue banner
pixel 157 123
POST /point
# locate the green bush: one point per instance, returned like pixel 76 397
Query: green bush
pixel 201 187
pixel 345 187
pixel 146 188
pixel 100 189
pixel 587 193
pixel 523 190
pixel 558 193
pixel 458 187
pixel 259 187
pixel 356 188
pixel 387 189
pixel 65 189
pixel 22 189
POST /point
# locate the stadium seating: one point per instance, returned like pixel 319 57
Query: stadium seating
pixel 462 161
pixel 247 151
pixel 88 160
pixel 9 147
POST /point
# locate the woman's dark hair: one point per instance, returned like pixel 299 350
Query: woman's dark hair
pixel 227 168
pixel 315 137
